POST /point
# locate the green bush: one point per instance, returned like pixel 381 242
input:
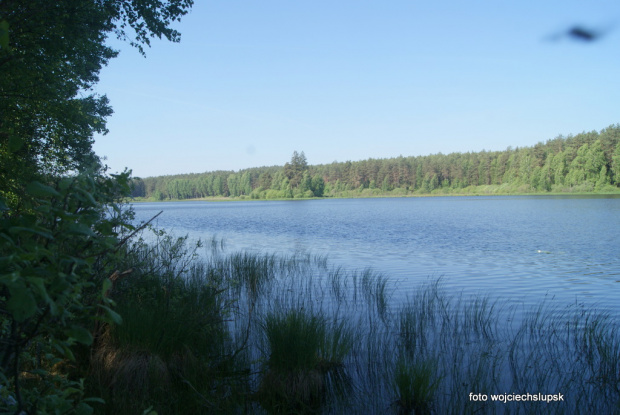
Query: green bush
pixel 51 295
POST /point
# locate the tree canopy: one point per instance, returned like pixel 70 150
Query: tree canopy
pixel 294 170
pixel 49 62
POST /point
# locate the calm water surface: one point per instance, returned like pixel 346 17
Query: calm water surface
pixel 518 249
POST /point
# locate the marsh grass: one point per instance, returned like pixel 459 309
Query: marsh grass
pixel 569 349
pixel 415 384
pixel 169 349
pixel 173 351
pixel 304 362
pixel 261 333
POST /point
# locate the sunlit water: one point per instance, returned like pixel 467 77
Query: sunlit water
pixel 517 249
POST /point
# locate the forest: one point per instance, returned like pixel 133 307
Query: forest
pixel 581 163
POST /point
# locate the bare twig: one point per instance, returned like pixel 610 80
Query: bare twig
pixel 144 225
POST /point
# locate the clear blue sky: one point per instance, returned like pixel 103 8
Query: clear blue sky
pixel 252 81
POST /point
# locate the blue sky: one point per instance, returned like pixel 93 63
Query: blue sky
pixel 253 81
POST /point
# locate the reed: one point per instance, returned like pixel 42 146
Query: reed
pixel 415 384
pixel 255 333
pixel 304 361
pixel 172 352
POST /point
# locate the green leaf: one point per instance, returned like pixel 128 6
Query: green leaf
pixel 149 411
pixel 18 229
pixel 107 284
pixel 80 334
pixel 96 400
pixel 21 302
pixel 67 392
pixel 79 229
pixel 39 285
pixel 83 409
pixel 41 190
pixel 112 315
pixel 65 351
pixel 88 196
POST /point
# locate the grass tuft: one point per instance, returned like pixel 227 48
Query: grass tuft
pixel 415 384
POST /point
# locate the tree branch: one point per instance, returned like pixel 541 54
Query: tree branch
pixel 144 225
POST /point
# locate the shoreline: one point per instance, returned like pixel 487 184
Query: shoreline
pixel 216 199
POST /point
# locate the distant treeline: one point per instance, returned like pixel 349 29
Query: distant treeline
pixel 581 163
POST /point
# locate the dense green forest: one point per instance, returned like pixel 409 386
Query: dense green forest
pixel 584 162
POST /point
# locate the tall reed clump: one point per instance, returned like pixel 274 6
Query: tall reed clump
pixel 171 351
pixel 414 384
pixel 465 346
pixel 448 347
pixel 304 363
pixel 574 350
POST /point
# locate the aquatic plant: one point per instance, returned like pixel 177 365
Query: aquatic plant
pixel 255 332
pixel 173 351
pixel 305 360
pixel 415 384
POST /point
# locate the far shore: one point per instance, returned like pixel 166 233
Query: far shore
pixel 368 194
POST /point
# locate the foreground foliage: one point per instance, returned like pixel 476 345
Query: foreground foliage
pixel 51 290
pixel 60 221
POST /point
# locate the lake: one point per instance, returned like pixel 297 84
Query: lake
pixel 517 249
